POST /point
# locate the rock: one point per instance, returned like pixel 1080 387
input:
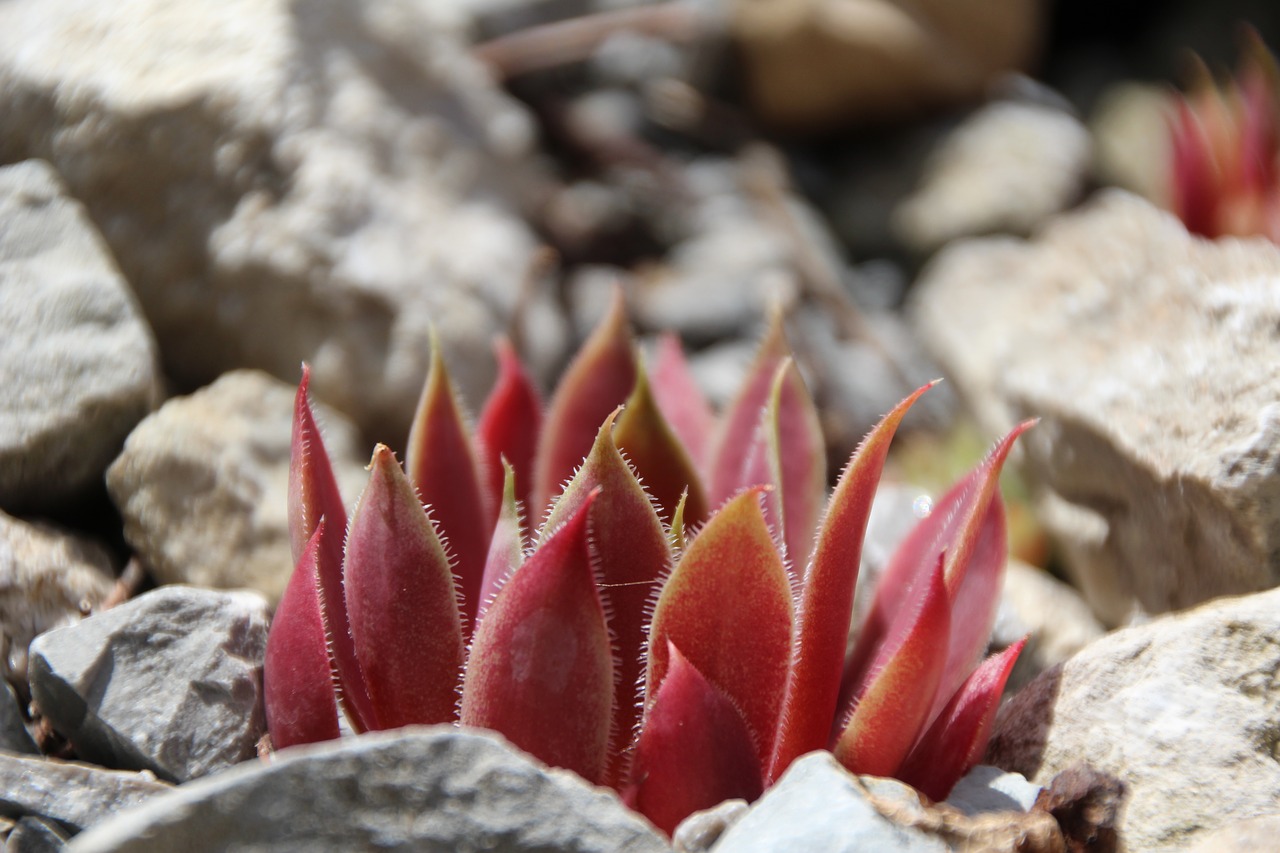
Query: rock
pixel 1130 129
pixel 33 835
pixel 1181 706
pixel 76 359
pixel 1245 836
pixel 989 789
pixel 202 483
pixel 48 578
pixel 68 793
pixel 416 788
pixel 170 681
pixel 14 736
pixel 811 64
pixel 1008 168
pixel 1142 351
pixel 700 831
pixel 1087 804
pixel 284 180
pixel 1055 619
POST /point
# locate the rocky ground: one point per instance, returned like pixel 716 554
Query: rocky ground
pixel 197 196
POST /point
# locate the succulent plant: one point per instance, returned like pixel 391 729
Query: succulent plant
pixel 1225 147
pixel 678 628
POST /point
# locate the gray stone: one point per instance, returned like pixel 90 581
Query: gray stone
pixel 68 793
pixel 701 830
pixel 34 835
pixel 1185 711
pixel 427 789
pixel 286 180
pixel 202 483
pixel 170 681
pixel 1007 168
pixel 1130 128
pixel 1149 357
pixel 990 789
pixel 817 805
pixel 14 736
pixel 77 362
pixel 48 578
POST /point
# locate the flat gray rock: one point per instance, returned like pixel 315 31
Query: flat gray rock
pixel 77 361
pixel 35 835
pixel 68 793
pixel 422 789
pixel 14 736
pixel 48 578
pixel 1185 711
pixel 170 681
pixel 1149 357
pixel 280 180
pixel 202 483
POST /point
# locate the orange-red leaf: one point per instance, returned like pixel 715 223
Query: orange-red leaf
pixel 695 750
pixel 508 428
pixel 541 667
pixel 443 470
pixel 727 606
pixel 826 599
pixel 506 548
pixel 297 691
pixel 598 380
pixel 402 603
pixel 682 401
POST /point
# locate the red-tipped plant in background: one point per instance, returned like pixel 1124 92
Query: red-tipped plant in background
pixel 682 641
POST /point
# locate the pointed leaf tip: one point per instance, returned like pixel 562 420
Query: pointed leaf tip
pixel 509 427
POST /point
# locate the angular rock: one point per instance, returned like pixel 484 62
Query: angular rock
pixel 436 789
pixel 817 805
pixel 1147 355
pixel 281 181
pixel 701 830
pixel 170 681
pixel 1258 833
pixel 77 361
pixel 68 793
pixel 34 835
pixel 202 483
pixel 1176 708
pixel 990 789
pixel 48 578
pixel 1052 616
pixel 14 736
pixel 1006 169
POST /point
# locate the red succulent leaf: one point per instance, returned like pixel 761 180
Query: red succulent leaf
pixel 892 702
pixel 727 605
pixel 631 554
pixel 826 598
pixel 541 667
pixel 1194 191
pixel 443 470
pixel 313 496
pixel 967 521
pixel 297 690
pixel 956 741
pixel 506 548
pixel 643 435
pixel 741 421
pixel 598 380
pixel 695 750
pixel 682 401
pixel 508 428
pixel 402 603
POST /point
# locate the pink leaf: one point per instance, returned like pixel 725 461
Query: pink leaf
pixel 892 702
pixel 443 470
pixel 631 554
pixel 297 690
pixel 826 599
pixel 595 383
pixel 402 603
pixel 682 401
pixel 956 741
pixel 508 428
pixel 506 548
pixel 695 750
pixel 727 605
pixel 541 668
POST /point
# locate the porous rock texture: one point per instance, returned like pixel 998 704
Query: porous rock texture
pixel 170 681
pixel 428 789
pixel 1149 357
pixel 284 180
pixel 77 361
pixel 1184 711
pixel 203 483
